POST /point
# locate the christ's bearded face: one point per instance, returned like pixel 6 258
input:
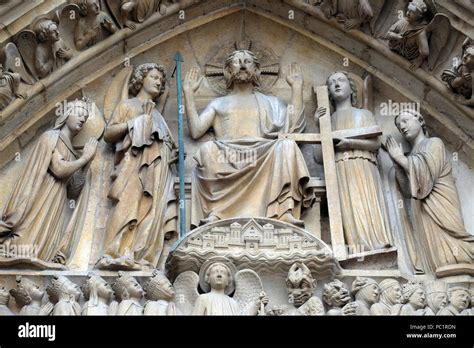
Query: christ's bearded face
pixel 241 67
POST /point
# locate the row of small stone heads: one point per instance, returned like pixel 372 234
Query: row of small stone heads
pixel 92 24
pixel 159 297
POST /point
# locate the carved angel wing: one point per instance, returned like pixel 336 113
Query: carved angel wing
pixel 117 91
pixel 14 62
pixel 68 18
pixel 186 293
pixel 439 28
pixel 26 43
pixel 114 8
pixel 248 287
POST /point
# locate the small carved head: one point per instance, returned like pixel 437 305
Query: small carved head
pixel 336 294
pixel 75 115
pixel 89 7
pixel 218 276
pixel 341 86
pixel 391 291
pixel 300 284
pixel 126 287
pixel 242 66
pixel 437 295
pixel 159 287
pixel 414 294
pixel 61 288
pixel 365 289
pixel 409 123
pixel 96 287
pixel 26 291
pixel 459 298
pixel 4 296
pixel 47 30
pixel 416 10
pixel 468 57
pixel 149 76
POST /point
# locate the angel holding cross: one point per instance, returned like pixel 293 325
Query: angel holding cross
pixel 364 215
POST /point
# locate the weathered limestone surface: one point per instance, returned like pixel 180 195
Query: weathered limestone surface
pixel 314 98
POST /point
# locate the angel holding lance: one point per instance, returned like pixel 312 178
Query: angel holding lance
pixel 36 212
pixel 144 212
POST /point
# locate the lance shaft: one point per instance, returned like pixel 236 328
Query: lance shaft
pixel 182 196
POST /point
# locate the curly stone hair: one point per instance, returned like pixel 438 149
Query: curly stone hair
pixel 83 4
pixel 42 29
pixel 153 289
pixel 228 61
pixel 416 115
pixel 352 85
pixel 139 74
pixel 21 293
pixel 57 287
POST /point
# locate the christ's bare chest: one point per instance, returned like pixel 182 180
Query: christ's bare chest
pixel 237 117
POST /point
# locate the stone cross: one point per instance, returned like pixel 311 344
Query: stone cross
pixel 325 138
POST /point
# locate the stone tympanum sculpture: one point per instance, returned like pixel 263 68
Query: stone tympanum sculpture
pixel 99 295
pixel 160 295
pixel 269 174
pixel 366 292
pixel 460 77
pixel 144 208
pixel 336 295
pixel 414 299
pixel 417 37
pixel 92 25
pixel 364 216
pixel 390 298
pixel 29 296
pixel 9 84
pixel 51 50
pixel 130 293
pixel 301 284
pixel 425 175
pixel 218 279
pixel 459 298
pixel 436 296
pixel 65 294
pixel 4 299
pixel 130 12
pixel 351 13
pixel 33 218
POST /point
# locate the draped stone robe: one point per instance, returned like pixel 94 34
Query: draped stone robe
pixel 8 86
pixel 439 226
pixel 407 47
pixel 364 215
pixel 38 205
pixel 143 9
pixel 253 176
pixel 142 188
